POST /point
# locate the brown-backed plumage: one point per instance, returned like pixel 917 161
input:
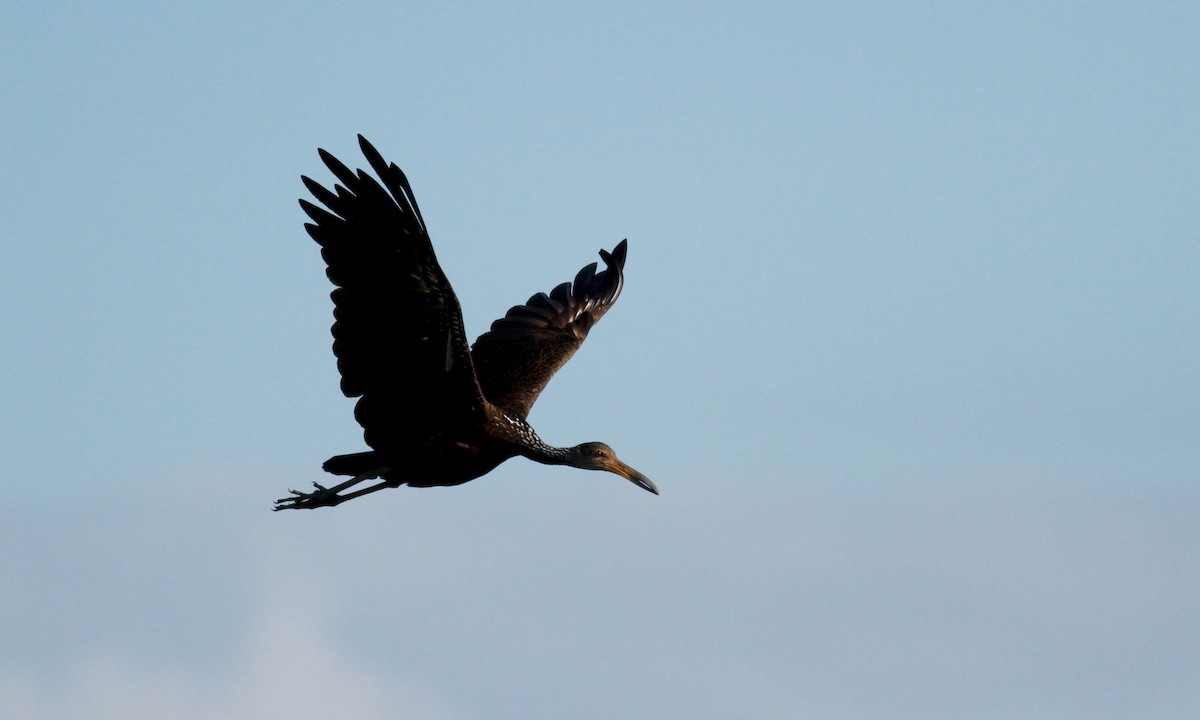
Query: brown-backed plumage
pixel 433 410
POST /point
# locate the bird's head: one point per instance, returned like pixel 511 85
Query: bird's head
pixel 598 456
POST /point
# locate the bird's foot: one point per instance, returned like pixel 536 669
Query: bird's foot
pixel 321 497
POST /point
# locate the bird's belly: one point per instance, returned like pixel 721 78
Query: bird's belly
pixel 448 462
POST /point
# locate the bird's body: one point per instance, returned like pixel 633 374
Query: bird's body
pixel 435 411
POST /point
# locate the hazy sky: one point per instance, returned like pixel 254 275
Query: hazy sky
pixel 909 341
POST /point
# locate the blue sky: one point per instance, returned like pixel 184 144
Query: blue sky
pixel 908 342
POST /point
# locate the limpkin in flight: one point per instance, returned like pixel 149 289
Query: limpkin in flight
pixel 433 410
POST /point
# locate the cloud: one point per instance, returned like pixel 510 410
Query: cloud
pixel 286 667
pixel 529 595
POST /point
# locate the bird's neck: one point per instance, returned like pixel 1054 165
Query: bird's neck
pixel 548 454
pixel 533 447
pixel 537 450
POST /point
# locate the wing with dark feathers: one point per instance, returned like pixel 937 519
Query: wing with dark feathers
pixel 398 331
pixel 522 351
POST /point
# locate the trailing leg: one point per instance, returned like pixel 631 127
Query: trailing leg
pixel 331 496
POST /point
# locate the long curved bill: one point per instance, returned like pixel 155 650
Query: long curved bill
pixel 632 475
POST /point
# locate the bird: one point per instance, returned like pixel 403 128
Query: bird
pixel 435 411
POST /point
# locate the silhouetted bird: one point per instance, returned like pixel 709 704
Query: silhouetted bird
pixel 433 410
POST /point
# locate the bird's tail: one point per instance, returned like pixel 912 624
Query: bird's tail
pixel 352 464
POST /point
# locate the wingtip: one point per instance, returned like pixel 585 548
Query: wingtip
pixel 617 255
pixel 337 167
pixel 309 183
pixel 370 152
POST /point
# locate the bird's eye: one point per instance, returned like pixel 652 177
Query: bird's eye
pixel 598 453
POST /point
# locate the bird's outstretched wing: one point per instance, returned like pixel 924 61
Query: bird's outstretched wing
pixel 522 351
pixel 398 330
